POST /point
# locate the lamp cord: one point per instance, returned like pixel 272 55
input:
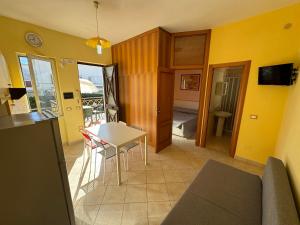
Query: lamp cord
pixel 97 21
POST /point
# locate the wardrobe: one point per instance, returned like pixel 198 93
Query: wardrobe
pixel 146 66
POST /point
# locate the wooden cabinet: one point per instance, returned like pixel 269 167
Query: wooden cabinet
pixel 146 77
pixel 141 60
pixel 189 50
pixel 137 60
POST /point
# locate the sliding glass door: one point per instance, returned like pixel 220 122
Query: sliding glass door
pixel 40 82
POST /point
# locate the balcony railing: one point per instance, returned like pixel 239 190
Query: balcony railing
pixel 93 110
pixel 93 101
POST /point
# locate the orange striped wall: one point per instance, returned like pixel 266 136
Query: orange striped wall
pixel 137 60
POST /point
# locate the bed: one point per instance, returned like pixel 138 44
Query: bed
pixel 184 122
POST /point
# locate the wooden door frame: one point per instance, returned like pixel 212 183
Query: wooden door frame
pixel 205 102
pixel 116 94
pixel 171 72
pixel 79 91
pixel 203 67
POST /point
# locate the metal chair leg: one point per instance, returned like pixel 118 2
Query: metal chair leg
pixel 141 149
pixel 104 169
pixel 90 161
pixel 95 166
pixel 83 156
pixel 112 164
pixel 83 160
pixel 124 161
pixel 127 160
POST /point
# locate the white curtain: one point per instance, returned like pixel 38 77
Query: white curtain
pixel 4 74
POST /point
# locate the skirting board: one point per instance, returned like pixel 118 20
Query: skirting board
pixel 250 162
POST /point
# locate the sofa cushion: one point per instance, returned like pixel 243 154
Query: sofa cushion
pixel 278 203
pixel 220 195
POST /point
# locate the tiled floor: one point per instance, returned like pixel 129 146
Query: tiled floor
pixel 221 144
pixel 147 194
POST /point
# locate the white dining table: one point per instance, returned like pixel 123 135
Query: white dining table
pixel 118 135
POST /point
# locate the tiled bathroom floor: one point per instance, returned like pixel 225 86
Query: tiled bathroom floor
pixel 147 194
pixel 220 144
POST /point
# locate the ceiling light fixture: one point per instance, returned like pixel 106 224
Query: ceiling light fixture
pixel 98 42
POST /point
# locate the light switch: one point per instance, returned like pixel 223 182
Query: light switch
pixel 253 117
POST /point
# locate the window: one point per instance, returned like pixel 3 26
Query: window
pixel 39 81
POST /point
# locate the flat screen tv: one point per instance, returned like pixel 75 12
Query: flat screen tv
pixel 276 75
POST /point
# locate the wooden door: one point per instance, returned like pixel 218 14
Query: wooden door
pixel 204 103
pixel 111 93
pixel 165 88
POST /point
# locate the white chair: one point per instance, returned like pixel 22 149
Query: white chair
pixel 107 151
pixel 89 146
pixel 126 148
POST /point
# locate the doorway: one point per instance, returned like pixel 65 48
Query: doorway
pixel 92 93
pixel 223 106
pixel 99 88
pixel 186 104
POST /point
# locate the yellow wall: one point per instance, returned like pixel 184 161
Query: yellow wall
pixel 55 45
pixel 262 40
pixel 288 146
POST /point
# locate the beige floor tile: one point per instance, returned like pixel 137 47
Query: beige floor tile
pixel 155 220
pixel 221 144
pixel 197 163
pixel 136 177
pixel 111 165
pixel 187 175
pixel 155 177
pixel 177 164
pixel 168 164
pixel 158 209
pixel 144 187
pixel 175 155
pixel 184 164
pixel 157 192
pixel 86 214
pixel 136 165
pixel 154 165
pixel 136 193
pixel 198 154
pixel 113 178
pixel 173 203
pixel 114 194
pixel 90 196
pixel 173 176
pixel 153 156
pixel 175 190
pixel 81 177
pixel 135 214
pixel 110 214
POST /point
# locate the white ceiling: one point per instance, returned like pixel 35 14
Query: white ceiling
pixel 122 19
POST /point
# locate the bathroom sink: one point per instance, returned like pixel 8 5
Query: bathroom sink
pixel 221 119
pixel 222 114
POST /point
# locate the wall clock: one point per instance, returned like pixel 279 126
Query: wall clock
pixel 33 39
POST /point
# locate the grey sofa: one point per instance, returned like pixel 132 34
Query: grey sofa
pixel 223 195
